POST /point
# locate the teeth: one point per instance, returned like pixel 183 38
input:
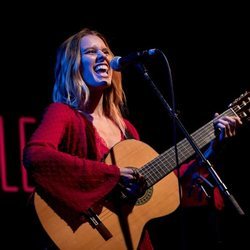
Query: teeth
pixel 101 67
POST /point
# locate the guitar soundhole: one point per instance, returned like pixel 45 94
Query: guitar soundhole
pixel 145 198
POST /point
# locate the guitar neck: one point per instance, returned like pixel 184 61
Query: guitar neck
pixel 163 164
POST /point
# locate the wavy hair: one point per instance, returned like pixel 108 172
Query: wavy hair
pixel 70 88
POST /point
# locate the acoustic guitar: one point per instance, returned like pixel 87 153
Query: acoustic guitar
pixel 118 225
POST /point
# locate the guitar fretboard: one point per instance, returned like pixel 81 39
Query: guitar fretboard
pixel 163 164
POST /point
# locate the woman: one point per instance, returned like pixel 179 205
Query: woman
pixel 65 154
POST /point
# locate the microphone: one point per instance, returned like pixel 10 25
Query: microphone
pixel 118 63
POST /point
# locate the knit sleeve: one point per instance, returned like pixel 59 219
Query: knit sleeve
pixel 70 182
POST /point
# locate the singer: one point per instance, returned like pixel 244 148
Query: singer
pixel 83 190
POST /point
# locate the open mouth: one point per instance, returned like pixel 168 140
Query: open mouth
pixel 102 70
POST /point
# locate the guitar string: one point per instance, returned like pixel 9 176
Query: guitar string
pixel 185 151
pixel 158 164
pixel 199 137
pixel 105 215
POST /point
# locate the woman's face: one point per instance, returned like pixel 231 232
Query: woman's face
pixel 95 58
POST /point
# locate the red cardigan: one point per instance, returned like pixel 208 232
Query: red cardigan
pixel 64 157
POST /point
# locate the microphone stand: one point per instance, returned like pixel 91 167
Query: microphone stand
pixel 207 164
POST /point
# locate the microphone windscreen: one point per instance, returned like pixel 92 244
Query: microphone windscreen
pixel 114 63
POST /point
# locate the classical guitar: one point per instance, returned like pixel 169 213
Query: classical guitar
pixel 117 224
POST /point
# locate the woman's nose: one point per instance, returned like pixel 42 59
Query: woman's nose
pixel 101 54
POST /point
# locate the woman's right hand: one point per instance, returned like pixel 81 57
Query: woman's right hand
pixel 131 182
pixel 127 173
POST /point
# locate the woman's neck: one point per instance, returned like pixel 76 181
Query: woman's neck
pixel 95 102
pixel 94 107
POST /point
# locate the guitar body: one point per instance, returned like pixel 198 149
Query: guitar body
pixel 159 200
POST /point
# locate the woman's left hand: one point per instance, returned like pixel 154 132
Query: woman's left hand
pixel 226 126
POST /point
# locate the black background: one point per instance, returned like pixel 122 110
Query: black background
pixel 208 51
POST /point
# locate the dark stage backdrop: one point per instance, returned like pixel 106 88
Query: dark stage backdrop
pixel 208 53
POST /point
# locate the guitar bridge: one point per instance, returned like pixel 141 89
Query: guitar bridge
pixel 97 224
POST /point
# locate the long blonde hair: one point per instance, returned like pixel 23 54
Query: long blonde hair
pixel 70 87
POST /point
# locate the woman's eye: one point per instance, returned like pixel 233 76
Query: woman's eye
pixel 91 51
pixel 106 52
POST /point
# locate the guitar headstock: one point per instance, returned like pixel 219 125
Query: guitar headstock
pixel 241 106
